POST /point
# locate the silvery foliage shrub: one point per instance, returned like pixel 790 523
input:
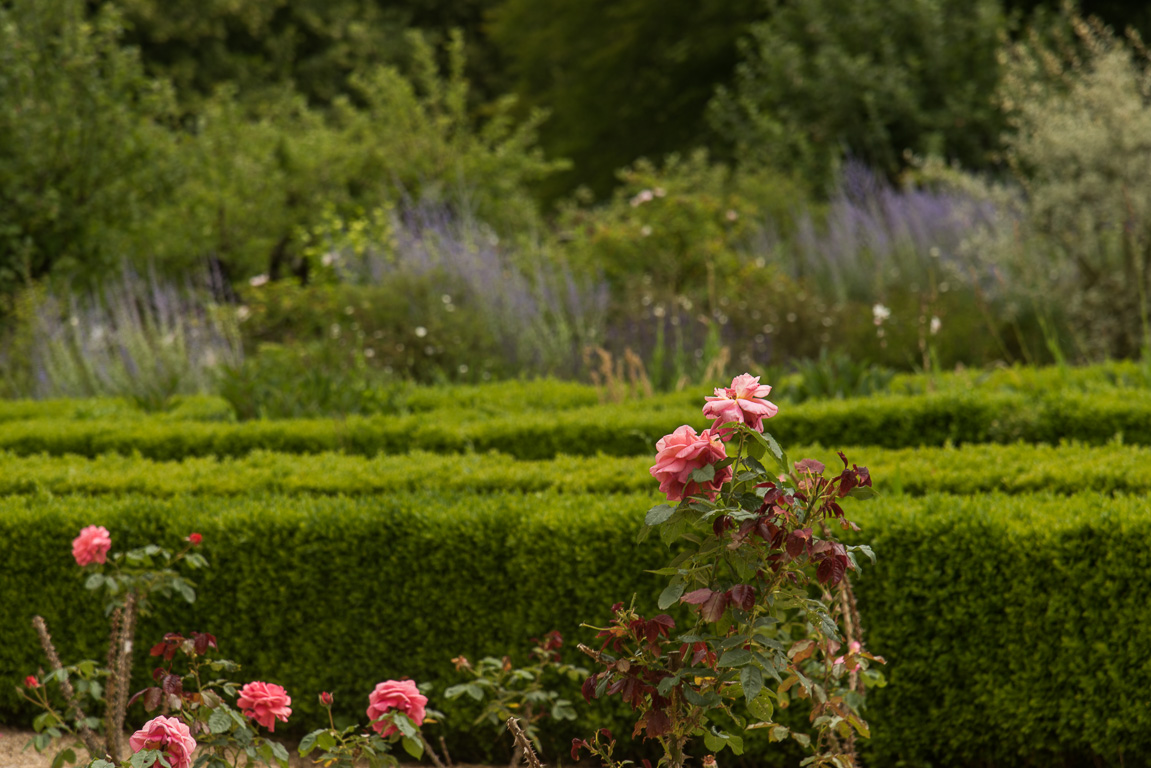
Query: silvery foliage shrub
pixel 1079 106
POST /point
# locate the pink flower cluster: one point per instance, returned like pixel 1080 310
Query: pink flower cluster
pixel 168 735
pixel 683 451
pixel 92 545
pixel 265 703
pixel 399 695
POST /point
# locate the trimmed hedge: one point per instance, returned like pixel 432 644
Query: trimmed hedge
pixel 617 430
pixel 1018 629
pixel 1018 468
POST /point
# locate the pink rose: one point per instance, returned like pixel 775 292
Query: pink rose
pixel 742 401
pixel 168 735
pixel 681 453
pixel 92 545
pixel 264 703
pixel 400 695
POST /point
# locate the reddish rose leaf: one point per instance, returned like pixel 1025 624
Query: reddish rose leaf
pixel 715 606
pixel 656 724
pixel 743 595
pixel 797 542
pixel 173 684
pixel 697 597
pixel 810 465
pixel 588 687
pixel 152 698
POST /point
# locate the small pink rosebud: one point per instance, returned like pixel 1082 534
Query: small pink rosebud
pixel 326 699
pixel 31 682
pixel 195 539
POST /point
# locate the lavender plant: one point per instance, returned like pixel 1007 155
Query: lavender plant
pixel 143 338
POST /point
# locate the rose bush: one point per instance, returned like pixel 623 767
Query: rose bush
pixel 772 607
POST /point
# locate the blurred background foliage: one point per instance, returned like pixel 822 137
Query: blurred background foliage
pixel 268 197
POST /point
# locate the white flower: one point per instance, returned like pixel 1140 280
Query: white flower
pixel 936 324
pixel 421 331
pixel 879 313
pixel 644 196
pixel 243 313
pixel 258 280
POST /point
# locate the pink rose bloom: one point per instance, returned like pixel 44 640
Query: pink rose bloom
pixel 681 453
pixel 92 545
pixel 170 736
pixel 265 703
pixel 400 695
pixel 742 401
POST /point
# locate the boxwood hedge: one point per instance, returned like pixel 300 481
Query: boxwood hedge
pixel 617 429
pixel 1018 628
pixel 1017 468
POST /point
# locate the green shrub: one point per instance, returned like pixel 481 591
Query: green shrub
pixel 627 429
pixel 1019 622
pixel 1018 468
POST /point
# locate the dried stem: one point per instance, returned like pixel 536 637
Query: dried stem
pixel 121 673
pixel 524 744
pixel 447 755
pixel 431 752
pixel 78 715
pixel 110 689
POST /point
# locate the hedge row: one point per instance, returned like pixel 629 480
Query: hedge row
pixel 1017 629
pixel 1017 468
pixel 1122 374
pixel 477 400
pixel 183 408
pixel 617 429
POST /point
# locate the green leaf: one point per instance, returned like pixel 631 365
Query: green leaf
pixel 659 514
pixel 94 581
pixel 865 550
pixel 279 752
pixel 406 726
pixel 752 681
pixel 308 743
pixel 704 474
pixel 325 740
pixel 761 706
pixel 736 657
pixel 667 684
pixel 713 741
pixel 67 756
pixel 413 747
pixel 671 594
pixel 862 492
pixel 219 722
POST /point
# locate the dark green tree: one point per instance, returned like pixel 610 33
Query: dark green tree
pixel 873 78
pixel 621 78
pixel 82 138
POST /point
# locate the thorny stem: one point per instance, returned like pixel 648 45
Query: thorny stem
pixel 443 746
pixel 86 734
pixel 524 744
pixel 122 674
pixel 114 646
